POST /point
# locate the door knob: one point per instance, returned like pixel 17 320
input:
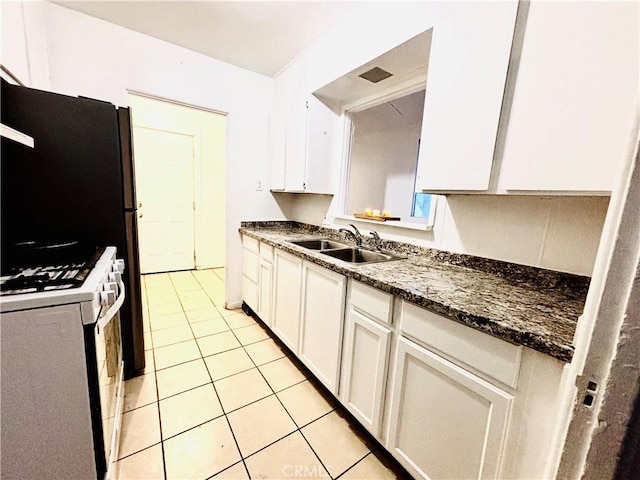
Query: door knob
pixel 141 215
pixel 140 205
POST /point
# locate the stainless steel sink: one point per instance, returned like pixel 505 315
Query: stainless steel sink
pixel 319 244
pixel 360 255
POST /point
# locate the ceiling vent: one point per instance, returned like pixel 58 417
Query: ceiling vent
pixel 375 75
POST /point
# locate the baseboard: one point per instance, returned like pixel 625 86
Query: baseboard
pixel 233 306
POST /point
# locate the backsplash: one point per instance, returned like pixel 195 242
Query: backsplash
pixel 516 273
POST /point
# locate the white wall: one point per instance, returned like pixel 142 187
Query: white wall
pixel 384 156
pixel 557 233
pixel 24 42
pixel 97 59
pixel 383 168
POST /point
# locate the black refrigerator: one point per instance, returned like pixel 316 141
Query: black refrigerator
pixel 76 184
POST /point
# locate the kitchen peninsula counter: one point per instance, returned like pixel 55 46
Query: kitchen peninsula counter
pixel 523 305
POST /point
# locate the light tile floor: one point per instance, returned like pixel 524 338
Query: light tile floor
pixel 219 398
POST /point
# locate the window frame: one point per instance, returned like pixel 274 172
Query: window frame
pixel 346 111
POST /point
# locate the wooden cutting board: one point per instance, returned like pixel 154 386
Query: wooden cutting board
pixel 379 218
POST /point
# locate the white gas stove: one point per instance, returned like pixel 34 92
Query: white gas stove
pixel 61 369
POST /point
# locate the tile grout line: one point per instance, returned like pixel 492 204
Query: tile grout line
pixel 255 365
pixel 179 393
pixel 162 439
pixel 354 465
pixel 298 429
pixel 274 394
pixel 138 451
pixel 155 371
pixel 157 402
pixel 233 435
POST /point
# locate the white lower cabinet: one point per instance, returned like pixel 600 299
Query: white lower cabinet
pixel 265 292
pixel 447 401
pixel 321 319
pixel 250 271
pixel 287 295
pixel 365 363
pixel 445 423
pixel 265 283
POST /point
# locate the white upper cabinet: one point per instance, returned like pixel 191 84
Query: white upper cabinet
pixel 319 155
pixel 575 97
pixel 284 85
pixel 296 147
pixel 468 63
pixel 300 139
pixel 277 150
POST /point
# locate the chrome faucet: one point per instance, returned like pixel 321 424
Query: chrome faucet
pixel 357 236
pixel 377 241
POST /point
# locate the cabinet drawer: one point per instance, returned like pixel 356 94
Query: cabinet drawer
pixel 266 252
pixel 445 422
pixel 373 302
pixel 464 345
pixel 251 244
pixel 250 265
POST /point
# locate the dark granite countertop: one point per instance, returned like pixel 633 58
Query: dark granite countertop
pixel 523 305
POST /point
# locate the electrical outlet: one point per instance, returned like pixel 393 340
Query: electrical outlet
pixel 259 186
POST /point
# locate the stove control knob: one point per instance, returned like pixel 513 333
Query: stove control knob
pixel 118 266
pixel 115 277
pixel 107 298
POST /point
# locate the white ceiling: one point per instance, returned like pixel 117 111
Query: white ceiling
pixel 262 36
pixel 405 62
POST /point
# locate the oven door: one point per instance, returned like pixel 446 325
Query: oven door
pixel 108 381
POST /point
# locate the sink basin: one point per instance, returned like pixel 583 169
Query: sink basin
pixel 319 244
pixel 360 255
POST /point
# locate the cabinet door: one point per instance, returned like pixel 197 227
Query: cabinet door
pixel 265 291
pixel 250 271
pixel 250 293
pixel 575 97
pixel 284 85
pixel 321 320
pixel 465 85
pixel 296 147
pixel 277 151
pixel 319 161
pixel 250 255
pixel 365 362
pixel 287 291
pixel 445 422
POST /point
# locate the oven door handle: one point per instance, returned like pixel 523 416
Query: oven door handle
pixel 106 318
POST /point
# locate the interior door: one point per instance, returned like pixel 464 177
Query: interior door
pixel 165 184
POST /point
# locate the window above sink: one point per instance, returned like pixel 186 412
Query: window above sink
pixel 382 129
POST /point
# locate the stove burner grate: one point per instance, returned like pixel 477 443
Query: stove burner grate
pixel 51 277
